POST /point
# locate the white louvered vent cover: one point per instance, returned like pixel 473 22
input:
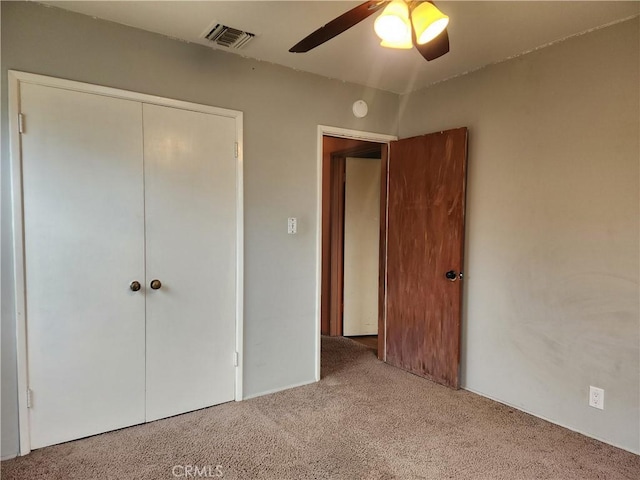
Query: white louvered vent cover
pixel 227 36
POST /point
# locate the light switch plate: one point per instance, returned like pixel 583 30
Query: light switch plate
pixel 292 225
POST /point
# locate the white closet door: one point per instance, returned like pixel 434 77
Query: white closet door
pixel 190 198
pixel 84 236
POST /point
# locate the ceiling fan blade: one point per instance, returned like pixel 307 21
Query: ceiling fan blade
pixel 435 48
pixel 337 26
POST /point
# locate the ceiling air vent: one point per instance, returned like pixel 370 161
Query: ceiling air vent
pixel 227 36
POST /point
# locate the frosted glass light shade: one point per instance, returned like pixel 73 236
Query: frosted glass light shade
pixel 393 25
pixel 428 22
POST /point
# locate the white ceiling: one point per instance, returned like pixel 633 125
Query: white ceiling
pixel 480 33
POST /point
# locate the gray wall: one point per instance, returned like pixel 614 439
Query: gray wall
pixel 551 302
pixel 282 109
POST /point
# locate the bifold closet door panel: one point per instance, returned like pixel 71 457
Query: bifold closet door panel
pixel 190 198
pixel 82 166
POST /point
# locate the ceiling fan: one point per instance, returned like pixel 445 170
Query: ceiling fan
pixel 402 24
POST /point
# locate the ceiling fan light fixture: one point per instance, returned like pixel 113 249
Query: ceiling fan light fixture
pixel 393 25
pixel 428 22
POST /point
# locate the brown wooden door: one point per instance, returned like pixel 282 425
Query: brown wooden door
pixel 424 241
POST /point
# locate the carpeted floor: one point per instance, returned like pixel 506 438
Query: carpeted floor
pixel 364 420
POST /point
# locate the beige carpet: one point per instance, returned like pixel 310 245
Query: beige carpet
pixel 364 420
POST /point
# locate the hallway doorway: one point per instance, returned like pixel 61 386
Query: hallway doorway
pixel 350 238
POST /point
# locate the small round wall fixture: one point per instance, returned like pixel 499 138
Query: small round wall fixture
pixel 360 108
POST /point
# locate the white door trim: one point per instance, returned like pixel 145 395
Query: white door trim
pixel 17 78
pixel 342 133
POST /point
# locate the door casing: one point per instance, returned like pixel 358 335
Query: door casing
pixel 347 134
pixel 15 79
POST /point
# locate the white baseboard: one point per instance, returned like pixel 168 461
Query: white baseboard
pixel 279 389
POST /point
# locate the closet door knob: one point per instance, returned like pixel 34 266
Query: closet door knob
pixel 135 286
pixel 156 284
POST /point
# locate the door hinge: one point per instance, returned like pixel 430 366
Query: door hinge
pixel 235 359
pixel 20 123
pixel 235 149
pixel 29 398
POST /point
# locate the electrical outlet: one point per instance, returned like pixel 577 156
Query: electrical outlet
pixel 596 397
